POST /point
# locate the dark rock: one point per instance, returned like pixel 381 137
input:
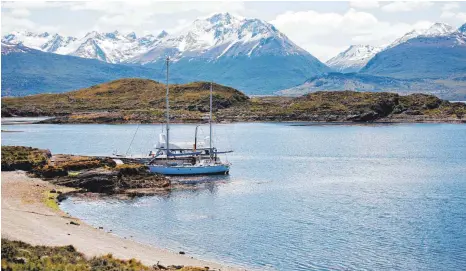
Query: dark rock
pixel 177 267
pixel 74 223
pixel 182 252
pixel 20 260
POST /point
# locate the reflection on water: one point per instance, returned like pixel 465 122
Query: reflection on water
pixel 319 197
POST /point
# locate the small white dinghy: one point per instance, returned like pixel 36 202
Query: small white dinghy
pixel 176 159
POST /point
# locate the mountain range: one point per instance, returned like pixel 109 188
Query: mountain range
pixel 249 54
pixel 353 59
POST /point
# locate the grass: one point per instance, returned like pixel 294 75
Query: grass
pixel 25 158
pixel 51 201
pixel 18 256
pixel 126 94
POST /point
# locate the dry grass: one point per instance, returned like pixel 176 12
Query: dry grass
pixel 18 256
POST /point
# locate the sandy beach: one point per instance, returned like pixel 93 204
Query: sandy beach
pixel 26 217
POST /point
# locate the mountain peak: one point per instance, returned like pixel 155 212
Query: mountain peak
pixel 162 34
pixel 112 35
pixel 44 35
pixel 438 29
pixel 131 35
pixel 353 58
pixel 462 28
pixel 220 18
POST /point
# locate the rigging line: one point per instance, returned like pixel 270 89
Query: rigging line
pixel 132 140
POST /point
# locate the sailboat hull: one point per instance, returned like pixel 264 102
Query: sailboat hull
pixel 190 170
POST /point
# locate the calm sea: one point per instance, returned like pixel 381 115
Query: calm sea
pixel 317 197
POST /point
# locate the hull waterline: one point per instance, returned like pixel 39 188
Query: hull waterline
pixel 194 170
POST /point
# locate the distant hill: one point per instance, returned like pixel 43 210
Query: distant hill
pixel 450 89
pixel 27 71
pixel 127 94
pixel 143 101
pixel 353 58
pixel 438 52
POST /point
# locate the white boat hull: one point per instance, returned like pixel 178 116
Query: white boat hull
pixel 190 170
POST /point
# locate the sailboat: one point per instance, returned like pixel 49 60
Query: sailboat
pixel 183 159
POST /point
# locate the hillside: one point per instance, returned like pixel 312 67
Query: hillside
pixel 453 89
pixel 145 98
pixel 27 71
pixel 143 101
pixel 438 52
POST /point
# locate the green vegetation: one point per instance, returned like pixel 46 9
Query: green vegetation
pixel 51 201
pixel 130 96
pixel 19 256
pixel 143 101
pixel 24 158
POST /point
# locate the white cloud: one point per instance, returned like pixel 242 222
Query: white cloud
pixel 20 12
pixel 158 7
pixel 368 4
pixel 450 6
pixel 11 23
pixel 460 16
pixel 327 32
pixel 406 6
pixel 449 11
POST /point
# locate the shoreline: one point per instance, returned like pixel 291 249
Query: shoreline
pixel 26 217
pixel 307 122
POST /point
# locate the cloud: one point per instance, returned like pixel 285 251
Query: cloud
pixel 12 23
pixel 460 16
pixel 326 32
pixel 364 4
pixel 143 16
pixel 158 7
pixel 449 11
pixel 20 12
pixel 450 6
pixel 406 6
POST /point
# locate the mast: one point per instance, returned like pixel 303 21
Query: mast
pixel 210 123
pixel 168 114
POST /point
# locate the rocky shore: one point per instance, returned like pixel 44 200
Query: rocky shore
pixel 37 235
pixel 34 181
pixel 142 101
pixel 86 174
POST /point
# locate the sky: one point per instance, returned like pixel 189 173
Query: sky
pixel 322 28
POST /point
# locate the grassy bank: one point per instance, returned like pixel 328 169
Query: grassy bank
pixel 18 256
pixel 91 174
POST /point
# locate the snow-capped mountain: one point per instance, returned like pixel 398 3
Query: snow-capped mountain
pixel 436 30
pixel 438 52
pixel 114 47
pixel 27 38
pixel 8 48
pixel 248 54
pixel 110 47
pixel 223 35
pixel 353 58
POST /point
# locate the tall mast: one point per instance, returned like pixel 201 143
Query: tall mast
pixel 210 123
pixel 168 114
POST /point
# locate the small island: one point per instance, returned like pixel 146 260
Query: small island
pixel 142 101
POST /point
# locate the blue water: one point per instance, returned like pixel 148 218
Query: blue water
pixel 320 197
